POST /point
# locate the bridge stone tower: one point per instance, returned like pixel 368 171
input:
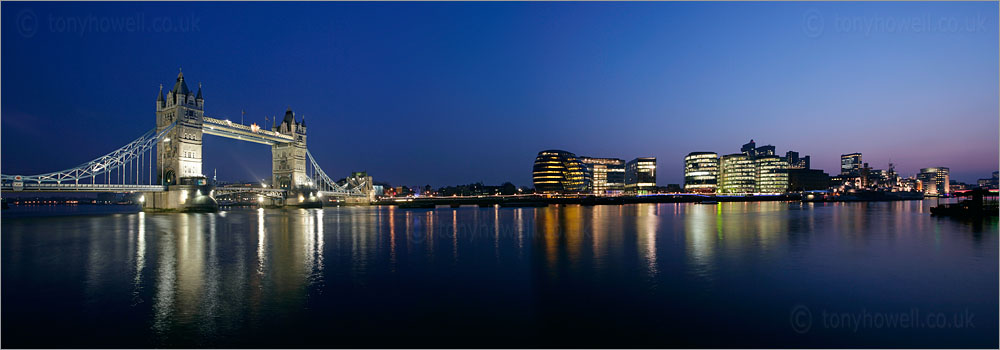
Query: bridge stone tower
pixel 179 152
pixel 288 165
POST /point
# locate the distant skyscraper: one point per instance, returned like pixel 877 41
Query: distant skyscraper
pixel 764 151
pixel 557 171
pixel 934 181
pixel 607 175
pixel 640 175
pixel 701 172
pixel 749 149
pixel 737 174
pixel 850 164
pixel 794 162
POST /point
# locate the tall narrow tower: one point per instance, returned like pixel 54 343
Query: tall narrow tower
pixel 288 165
pixel 179 152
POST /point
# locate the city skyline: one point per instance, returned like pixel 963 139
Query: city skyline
pixel 493 96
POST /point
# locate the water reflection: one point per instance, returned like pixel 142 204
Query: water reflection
pixel 194 286
pixel 140 258
pixel 261 234
pixel 593 239
pixel 454 236
pixel 646 222
pixel 274 277
pixel 703 231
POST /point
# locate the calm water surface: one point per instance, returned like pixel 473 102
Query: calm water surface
pixel 645 275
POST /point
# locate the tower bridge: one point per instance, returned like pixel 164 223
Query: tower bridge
pixel 178 184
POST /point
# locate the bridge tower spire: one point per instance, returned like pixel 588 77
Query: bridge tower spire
pixel 179 153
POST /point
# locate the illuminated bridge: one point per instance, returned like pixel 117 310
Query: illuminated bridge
pixel 165 163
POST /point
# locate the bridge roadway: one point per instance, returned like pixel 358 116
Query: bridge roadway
pixel 273 192
pixel 57 187
pixel 251 133
pixel 70 187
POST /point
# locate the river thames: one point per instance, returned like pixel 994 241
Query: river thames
pixel 765 274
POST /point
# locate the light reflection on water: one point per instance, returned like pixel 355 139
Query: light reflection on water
pixel 342 276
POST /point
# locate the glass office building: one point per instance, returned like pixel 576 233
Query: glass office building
pixel 557 171
pixel 850 164
pixel 772 174
pixel 737 174
pixel 640 175
pixel 605 175
pixel 935 181
pixel 701 172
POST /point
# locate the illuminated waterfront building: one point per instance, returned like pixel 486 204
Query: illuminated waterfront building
pixel 772 174
pixel 737 174
pixel 605 175
pixel 934 181
pixel 557 171
pixel 753 170
pixel 910 184
pixel 701 172
pixel 640 175
pixel 850 164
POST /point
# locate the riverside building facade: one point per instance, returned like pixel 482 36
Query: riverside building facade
pixel 738 174
pixel 558 171
pixel 753 170
pixel 605 175
pixel 935 181
pixel 640 175
pixel 701 172
pixel 850 164
pixel 772 174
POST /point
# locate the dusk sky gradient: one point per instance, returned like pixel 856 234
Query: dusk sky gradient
pixel 452 93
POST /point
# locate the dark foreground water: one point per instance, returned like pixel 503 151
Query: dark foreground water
pixel 645 275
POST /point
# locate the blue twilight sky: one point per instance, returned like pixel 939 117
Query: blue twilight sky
pixel 449 93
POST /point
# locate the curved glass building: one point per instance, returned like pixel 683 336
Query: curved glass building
pixel 557 171
pixel 738 174
pixel 772 174
pixel 701 172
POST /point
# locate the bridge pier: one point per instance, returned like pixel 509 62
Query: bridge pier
pixel 304 198
pixel 355 201
pixel 272 202
pixel 180 198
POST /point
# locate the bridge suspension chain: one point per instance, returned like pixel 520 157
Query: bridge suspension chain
pixel 324 183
